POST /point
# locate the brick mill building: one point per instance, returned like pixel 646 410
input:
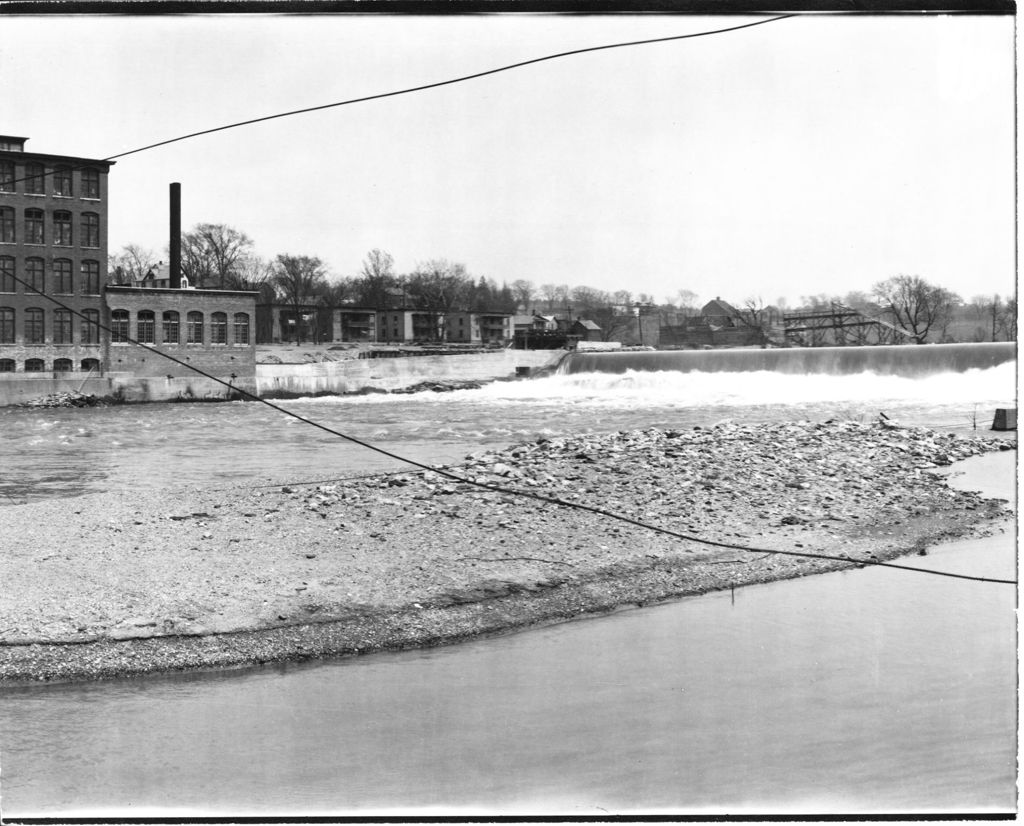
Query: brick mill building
pixel 212 330
pixel 53 235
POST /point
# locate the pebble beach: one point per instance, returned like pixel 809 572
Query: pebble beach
pixel 111 585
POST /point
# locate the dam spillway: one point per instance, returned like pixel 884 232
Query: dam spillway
pixel 909 361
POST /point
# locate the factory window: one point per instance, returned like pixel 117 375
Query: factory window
pixel 62 328
pixel 91 277
pixel 90 229
pixel 63 365
pixel 172 324
pixel 34 278
pixel 34 365
pixel 62 181
pixel 90 328
pixel 62 276
pixel 34 226
pixel 241 328
pixel 35 333
pixel 90 183
pixel 62 228
pixel 6 325
pixel 6 365
pixel 90 364
pixel 7 282
pixel 146 326
pixel 194 328
pixel 35 179
pixel 119 327
pixel 6 176
pixel 219 328
pixel 6 225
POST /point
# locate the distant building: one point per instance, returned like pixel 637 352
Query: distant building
pixel 587 330
pixel 480 328
pixel 720 313
pixel 53 235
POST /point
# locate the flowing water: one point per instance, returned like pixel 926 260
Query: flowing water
pixel 145 448
pixel 871 690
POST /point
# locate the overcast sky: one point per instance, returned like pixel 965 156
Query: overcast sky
pixel 811 155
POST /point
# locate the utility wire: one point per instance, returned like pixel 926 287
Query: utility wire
pixel 552 500
pixel 421 88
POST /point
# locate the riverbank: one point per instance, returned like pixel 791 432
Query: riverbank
pixel 115 586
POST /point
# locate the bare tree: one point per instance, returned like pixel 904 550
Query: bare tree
pixel 130 264
pixel 439 286
pixel 688 301
pixel 300 280
pixel 375 279
pixel 915 305
pixel 523 291
pixel 212 253
pixel 555 295
pixel 250 273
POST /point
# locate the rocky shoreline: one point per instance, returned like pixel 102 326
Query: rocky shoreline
pixel 241 577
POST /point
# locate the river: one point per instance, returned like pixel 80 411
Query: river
pixel 870 690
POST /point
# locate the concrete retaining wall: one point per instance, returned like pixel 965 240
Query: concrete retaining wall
pixel 288 379
pixel 395 373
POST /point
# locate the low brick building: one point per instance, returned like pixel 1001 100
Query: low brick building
pixel 213 330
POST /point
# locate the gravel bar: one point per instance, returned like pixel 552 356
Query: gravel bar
pixel 112 585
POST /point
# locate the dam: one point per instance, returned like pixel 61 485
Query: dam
pixel 892 360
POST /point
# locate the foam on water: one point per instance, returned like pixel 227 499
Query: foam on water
pixel 990 386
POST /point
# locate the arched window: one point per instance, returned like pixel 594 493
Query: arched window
pixel 90 229
pixel 91 277
pixel 34 365
pixel 34 226
pixel 35 333
pixel 219 328
pixel 146 327
pixel 62 181
pixel 90 364
pixel 62 327
pixel 90 182
pixel 172 327
pixel 6 365
pixel 35 179
pixel 7 282
pixel 90 327
pixel 63 365
pixel 194 328
pixel 34 278
pixel 119 327
pixel 241 328
pixel 7 225
pixel 7 176
pixel 62 228
pixel 6 325
pixel 62 276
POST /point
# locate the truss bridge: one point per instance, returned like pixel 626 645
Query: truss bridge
pixel 839 325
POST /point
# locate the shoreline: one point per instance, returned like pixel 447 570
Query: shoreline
pixel 344 570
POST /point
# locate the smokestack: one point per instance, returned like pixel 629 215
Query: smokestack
pixel 176 236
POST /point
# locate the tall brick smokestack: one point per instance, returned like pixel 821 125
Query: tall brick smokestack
pixel 176 236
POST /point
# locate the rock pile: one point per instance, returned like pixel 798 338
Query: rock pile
pixel 419 558
pixel 69 399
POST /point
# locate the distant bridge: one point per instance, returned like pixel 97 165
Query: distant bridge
pixel 840 325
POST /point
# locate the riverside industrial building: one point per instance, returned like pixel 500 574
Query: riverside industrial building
pixel 53 242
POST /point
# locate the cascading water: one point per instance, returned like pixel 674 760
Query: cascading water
pixel 900 360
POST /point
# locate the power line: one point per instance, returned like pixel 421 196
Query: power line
pixel 551 500
pixel 406 91
pixel 449 82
